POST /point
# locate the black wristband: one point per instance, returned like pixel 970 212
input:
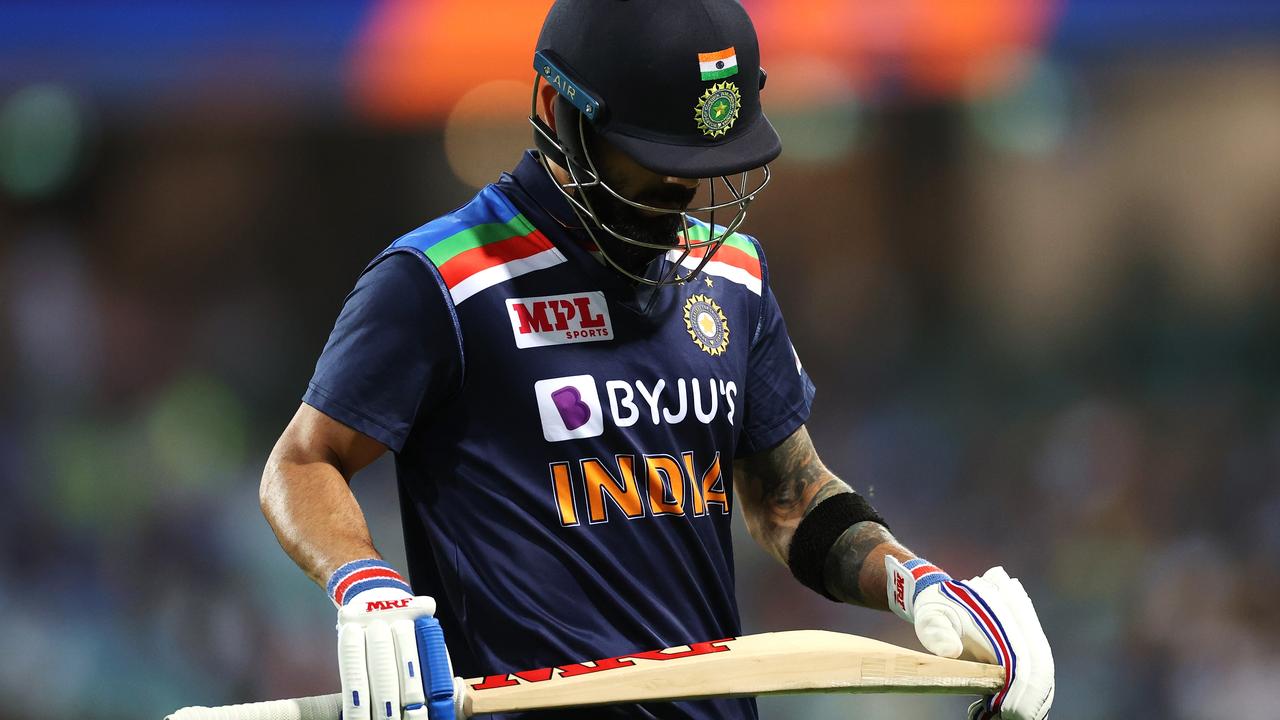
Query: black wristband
pixel 819 530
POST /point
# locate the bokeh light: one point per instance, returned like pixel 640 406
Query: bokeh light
pixel 487 128
pixel 1033 114
pixel 41 134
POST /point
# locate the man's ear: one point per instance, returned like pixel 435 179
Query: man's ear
pixel 547 105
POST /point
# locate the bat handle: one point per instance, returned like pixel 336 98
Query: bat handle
pixel 439 688
pixel 319 707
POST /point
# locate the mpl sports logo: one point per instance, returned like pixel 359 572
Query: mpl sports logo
pixel 560 319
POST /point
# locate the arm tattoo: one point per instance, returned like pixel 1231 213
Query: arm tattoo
pixel 850 556
pixel 778 487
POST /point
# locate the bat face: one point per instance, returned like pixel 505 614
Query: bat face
pixel 785 662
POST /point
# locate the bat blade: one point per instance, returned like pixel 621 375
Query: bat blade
pixel 797 661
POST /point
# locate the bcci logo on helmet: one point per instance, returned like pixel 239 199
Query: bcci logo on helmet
pixel 717 109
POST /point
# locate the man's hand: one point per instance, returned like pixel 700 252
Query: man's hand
pixel 989 619
pixel 382 628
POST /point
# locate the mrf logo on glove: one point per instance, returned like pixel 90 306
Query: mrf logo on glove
pixel 386 604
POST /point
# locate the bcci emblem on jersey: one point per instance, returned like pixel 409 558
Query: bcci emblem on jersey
pixel 706 324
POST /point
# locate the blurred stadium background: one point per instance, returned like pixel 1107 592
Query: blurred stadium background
pixel 1027 249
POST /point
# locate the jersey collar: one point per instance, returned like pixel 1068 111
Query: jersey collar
pixel 534 192
pixel 531 179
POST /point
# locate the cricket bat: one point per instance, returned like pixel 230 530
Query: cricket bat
pixel 797 661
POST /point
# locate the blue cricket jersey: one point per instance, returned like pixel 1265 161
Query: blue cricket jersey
pixel 564 459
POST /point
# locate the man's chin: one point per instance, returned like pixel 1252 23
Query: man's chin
pixel 663 238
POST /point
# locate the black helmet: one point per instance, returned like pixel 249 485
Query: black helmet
pixel 677 82
pixel 674 84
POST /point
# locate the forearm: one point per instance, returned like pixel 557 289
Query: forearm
pixel 316 519
pixel 854 570
pixel 780 487
pixel 772 517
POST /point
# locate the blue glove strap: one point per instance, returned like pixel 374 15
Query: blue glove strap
pixel 437 681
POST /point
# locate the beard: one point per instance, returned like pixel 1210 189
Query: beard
pixel 638 225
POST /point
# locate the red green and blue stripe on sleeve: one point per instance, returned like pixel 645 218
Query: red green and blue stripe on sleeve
pixel 737 260
pixel 359 575
pixel 484 243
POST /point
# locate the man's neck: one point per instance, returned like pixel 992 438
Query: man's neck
pixel 561 175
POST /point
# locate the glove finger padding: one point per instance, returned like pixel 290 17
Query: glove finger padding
pixel 948 627
pixel 409 666
pixel 354 673
pixel 1030 693
pixel 939 628
pixel 384 673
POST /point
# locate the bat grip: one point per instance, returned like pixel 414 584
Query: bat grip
pixel 320 707
pixel 438 684
pixel 439 675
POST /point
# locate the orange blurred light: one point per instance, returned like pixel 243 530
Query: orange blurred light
pixel 415 59
pixel 915 47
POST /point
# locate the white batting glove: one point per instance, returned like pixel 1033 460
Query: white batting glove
pixel 989 619
pixel 391 653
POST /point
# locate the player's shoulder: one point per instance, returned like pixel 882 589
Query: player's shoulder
pixel 446 233
pixel 481 244
pixel 740 259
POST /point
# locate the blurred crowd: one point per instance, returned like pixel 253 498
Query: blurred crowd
pixel 1045 332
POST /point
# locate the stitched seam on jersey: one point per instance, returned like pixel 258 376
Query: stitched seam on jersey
pixel 799 413
pixel 453 315
pixel 381 425
pixel 764 285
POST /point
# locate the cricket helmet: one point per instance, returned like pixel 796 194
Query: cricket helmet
pixel 675 85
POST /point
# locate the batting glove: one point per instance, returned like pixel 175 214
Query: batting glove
pixel 391 653
pixel 989 619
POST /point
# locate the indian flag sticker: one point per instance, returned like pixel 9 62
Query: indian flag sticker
pixel 718 65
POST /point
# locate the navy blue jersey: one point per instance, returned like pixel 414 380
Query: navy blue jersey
pixel 564 458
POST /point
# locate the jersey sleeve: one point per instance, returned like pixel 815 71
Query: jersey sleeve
pixel 394 353
pixel 778 393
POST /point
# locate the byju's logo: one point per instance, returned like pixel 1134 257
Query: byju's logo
pixel 559 319
pixel 569 408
